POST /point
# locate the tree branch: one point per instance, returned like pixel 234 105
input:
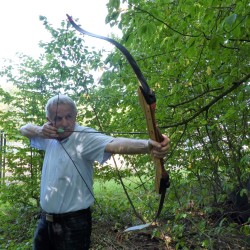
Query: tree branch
pixel 192 99
pixel 166 24
pixel 235 85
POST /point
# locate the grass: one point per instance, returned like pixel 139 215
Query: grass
pixel 112 202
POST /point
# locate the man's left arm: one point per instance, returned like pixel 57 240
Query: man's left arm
pixel 134 146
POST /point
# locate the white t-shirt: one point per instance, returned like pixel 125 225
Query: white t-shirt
pixel 62 187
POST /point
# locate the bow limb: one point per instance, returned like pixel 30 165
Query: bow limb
pixel 148 103
pixel 142 81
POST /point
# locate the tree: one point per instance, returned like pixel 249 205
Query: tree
pixel 196 58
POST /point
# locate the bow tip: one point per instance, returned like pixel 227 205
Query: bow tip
pixel 69 17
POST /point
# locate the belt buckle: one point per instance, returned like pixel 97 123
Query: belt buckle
pixel 49 218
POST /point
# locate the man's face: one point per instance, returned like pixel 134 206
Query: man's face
pixel 63 117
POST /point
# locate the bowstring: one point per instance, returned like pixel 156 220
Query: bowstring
pixel 137 214
pixel 78 170
pixel 148 95
pixel 61 144
pixel 92 194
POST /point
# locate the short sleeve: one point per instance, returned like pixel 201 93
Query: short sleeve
pixel 39 143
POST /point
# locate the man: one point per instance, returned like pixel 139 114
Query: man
pixel 67 174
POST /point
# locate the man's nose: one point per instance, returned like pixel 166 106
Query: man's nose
pixel 64 122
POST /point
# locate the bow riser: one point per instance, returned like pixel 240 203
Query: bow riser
pixel 154 133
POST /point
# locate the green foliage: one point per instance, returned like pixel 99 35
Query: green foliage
pixel 17 226
pixel 193 54
pixel 195 57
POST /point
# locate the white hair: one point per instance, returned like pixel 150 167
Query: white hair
pixel 59 99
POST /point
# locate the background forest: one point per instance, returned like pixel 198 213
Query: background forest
pixel 195 56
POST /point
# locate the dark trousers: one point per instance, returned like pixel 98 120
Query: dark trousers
pixel 69 231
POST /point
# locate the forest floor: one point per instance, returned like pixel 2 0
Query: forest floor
pixel 107 236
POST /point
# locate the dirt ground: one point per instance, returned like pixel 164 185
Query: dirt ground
pixel 107 236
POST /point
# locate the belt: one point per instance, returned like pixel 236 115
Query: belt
pixel 59 217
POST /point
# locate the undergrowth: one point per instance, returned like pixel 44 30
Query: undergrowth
pixel 188 227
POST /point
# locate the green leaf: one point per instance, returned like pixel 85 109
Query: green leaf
pixel 230 20
pixel 215 42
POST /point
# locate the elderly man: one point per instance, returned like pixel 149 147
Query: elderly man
pixel 67 174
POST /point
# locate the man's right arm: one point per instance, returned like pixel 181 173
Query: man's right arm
pixel 30 130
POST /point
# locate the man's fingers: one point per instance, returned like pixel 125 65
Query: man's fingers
pixel 159 149
pixel 49 131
